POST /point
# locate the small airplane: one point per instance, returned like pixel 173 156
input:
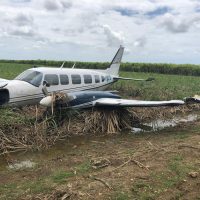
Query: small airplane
pixel 82 88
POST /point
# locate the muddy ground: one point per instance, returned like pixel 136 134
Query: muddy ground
pixel 153 165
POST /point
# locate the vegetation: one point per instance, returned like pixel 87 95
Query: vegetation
pixel 164 87
pixel 174 174
pixel 11 70
pixel 161 68
pixel 157 165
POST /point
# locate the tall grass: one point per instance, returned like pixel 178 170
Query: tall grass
pixel 11 70
pixel 161 68
pixel 164 87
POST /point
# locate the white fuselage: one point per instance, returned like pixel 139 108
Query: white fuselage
pixel 26 89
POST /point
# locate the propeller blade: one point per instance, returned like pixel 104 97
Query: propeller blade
pixel 52 102
pixel 45 91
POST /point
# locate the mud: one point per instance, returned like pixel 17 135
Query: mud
pixel 161 161
pixel 151 165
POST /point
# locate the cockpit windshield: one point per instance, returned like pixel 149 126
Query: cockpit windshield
pixel 30 76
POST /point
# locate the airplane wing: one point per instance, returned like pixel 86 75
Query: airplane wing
pixel 135 103
pixel 102 99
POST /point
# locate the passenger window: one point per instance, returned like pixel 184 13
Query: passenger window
pixel 87 79
pixel 108 78
pixel 64 79
pixel 76 79
pixel 102 78
pixel 52 79
pixel 97 79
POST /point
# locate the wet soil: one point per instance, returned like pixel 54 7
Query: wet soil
pixel 161 164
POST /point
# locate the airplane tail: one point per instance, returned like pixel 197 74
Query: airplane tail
pixel 115 64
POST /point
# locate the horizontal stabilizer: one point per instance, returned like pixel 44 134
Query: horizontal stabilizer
pixel 135 103
pixel 133 79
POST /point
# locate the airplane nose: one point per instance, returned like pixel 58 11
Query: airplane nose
pixel 4 96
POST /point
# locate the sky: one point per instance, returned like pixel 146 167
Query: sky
pixel 156 31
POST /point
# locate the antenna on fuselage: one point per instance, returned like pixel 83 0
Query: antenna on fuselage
pixel 62 65
pixel 73 65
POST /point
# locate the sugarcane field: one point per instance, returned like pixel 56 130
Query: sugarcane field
pixel 99 100
pixel 123 153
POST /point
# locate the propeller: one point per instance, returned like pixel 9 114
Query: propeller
pixel 49 99
pixel 53 98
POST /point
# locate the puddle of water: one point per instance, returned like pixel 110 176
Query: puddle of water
pixel 161 124
pixel 29 160
pixel 22 165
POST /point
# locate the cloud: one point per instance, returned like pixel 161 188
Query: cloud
pixel 39 44
pixel 126 11
pixel 24 31
pixel 66 4
pixel 20 1
pixel 140 42
pixel 178 24
pixel 78 24
pixel 53 5
pixel 23 19
pixel 113 38
pixel 158 11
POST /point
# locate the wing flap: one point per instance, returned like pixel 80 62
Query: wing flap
pixel 135 103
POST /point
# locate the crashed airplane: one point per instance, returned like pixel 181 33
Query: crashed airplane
pixel 82 88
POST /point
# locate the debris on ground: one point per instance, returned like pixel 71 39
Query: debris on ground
pixel 41 130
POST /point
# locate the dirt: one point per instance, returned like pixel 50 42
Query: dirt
pixel 153 165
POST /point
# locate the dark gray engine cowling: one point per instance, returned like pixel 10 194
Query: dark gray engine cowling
pixel 4 96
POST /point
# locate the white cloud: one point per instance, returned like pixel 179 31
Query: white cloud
pixel 25 31
pixel 52 4
pixel 140 42
pixel 153 27
pixel 179 24
pixel 113 38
